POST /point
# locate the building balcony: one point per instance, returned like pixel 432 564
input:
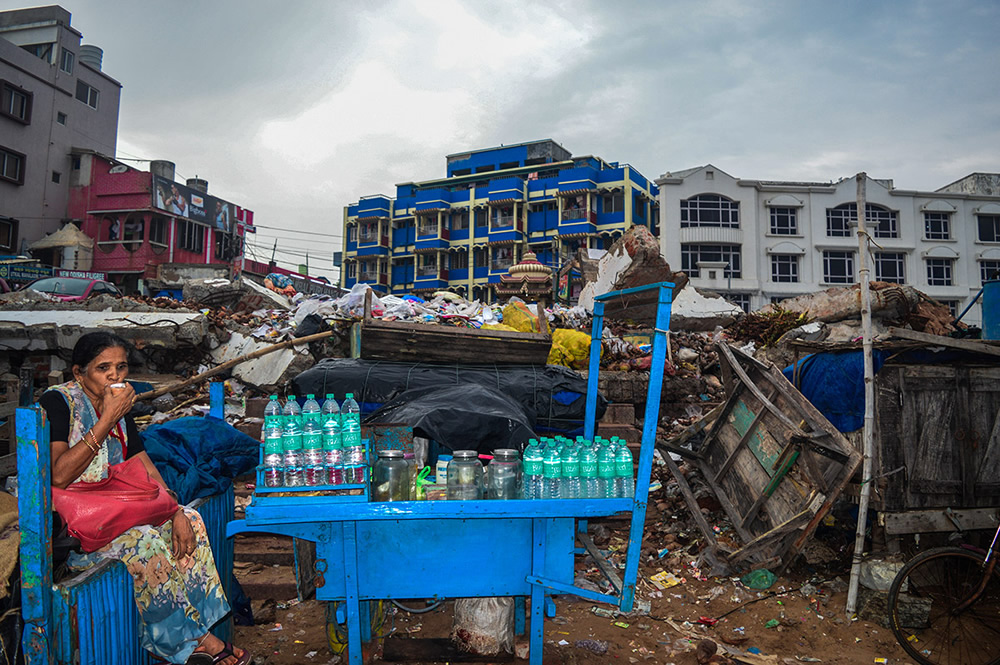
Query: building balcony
pixel 373 277
pixel 437 198
pixel 502 223
pixel 579 215
pixel 505 189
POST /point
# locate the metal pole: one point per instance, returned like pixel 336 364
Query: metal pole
pixel 869 429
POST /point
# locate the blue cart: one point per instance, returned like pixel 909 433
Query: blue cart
pixel 459 549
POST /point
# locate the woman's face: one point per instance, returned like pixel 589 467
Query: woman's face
pixel 110 366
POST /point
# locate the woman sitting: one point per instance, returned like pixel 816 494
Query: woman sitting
pixel 177 587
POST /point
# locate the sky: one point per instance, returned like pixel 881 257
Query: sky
pixel 296 109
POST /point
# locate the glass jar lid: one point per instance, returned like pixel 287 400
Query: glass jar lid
pixel 391 454
pixel 465 455
pixel 505 454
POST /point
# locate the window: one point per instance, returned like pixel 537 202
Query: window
pixel 75 161
pixel 158 230
pixel 8 234
pixel 61 118
pixel 227 245
pixel 87 94
pixel 989 228
pixel 989 269
pixel 838 267
pixel 784 268
pixel 839 220
pixel 482 219
pixel 741 300
pixel 710 210
pixel 352 270
pixel 43 51
pixel 639 207
pixel 460 220
pixel 190 236
pixel 480 257
pixel 890 267
pixel 67 61
pixel 503 218
pixel 427 226
pixel 56 177
pixel 613 202
pixel 15 103
pixel 132 232
pixel 784 221
pixel 458 260
pixel 352 234
pixel 952 305
pixel 503 257
pixel 691 255
pixel 369 232
pixel 11 166
pixel 937 225
pixel 939 272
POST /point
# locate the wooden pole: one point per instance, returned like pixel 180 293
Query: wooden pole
pixel 869 428
pixel 233 363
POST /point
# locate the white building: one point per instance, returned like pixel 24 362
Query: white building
pixel 759 241
pixel 55 102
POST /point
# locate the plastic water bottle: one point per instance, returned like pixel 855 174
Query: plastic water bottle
pixel 310 411
pixel 333 451
pixel 292 441
pixel 273 458
pixel 551 473
pixel 588 474
pixel 291 413
pixel 605 473
pixel 533 470
pixel 354 451
pixel 624 484
pixel 569 487
pixel 330 410
pixel 313 457
pixel 272 415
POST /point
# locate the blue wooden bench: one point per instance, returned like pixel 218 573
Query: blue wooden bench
pixel 91 618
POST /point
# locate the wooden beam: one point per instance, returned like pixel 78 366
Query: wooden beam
pixel 975 346
pixel 692 503
pixel 930 521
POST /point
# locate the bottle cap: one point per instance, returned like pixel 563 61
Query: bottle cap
pixel 310 396
pixel 350 395
pixel 274 397
pixel 329 395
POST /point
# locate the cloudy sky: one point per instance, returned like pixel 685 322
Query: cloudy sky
pixel 295 109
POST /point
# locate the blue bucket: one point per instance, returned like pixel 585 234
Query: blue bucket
pixel 991 309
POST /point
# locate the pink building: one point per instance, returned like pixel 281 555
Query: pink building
pixel 143 219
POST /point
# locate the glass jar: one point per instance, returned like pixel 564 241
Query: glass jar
pixel 503 475
pixel 391 478
pixel 465 476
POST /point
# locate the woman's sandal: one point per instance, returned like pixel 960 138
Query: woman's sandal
pixel 229 652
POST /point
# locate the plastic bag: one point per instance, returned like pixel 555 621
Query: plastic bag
pixel 570 348
pixel 484 625
pixel 759 579
pixel 520 318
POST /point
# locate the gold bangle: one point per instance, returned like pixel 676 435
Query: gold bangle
pixel 95 447
pixel 87 443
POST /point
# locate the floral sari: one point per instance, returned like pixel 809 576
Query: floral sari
pixel 178 599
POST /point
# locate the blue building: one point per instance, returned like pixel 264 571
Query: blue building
pixel 461 232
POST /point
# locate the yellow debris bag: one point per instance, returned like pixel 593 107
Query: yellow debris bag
pixel 498 326
pixel 519 317
pixel 570 348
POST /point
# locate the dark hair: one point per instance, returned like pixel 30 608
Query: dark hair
pixel 93 344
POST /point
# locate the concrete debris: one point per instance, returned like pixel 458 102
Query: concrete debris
pixel 889 301
pixel 633 260
pixel 697 310
pixel 42 330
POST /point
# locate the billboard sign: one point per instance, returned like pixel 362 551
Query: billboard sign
pixel 82 274
pixel 180 200
pixel 18 272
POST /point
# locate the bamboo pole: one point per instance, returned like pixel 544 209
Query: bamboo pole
pixel 233 363
pixel 869 428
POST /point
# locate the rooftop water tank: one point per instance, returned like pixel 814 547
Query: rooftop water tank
pixel 162 168
pixel 92 56
pixel 198 184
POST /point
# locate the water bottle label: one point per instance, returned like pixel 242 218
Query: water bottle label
pixel 312 440
pixel 331 441
pixel 588 469
pixel 570 469
pixel 272 422
pixel 532 467
pixel 623 468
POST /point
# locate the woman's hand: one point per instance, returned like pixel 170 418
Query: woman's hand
pixel 183 535
pixel 117 401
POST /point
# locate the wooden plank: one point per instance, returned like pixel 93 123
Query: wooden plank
pixel 738 369
pixel 602 563
pixel 692 430
pixel 750 430
pixel 937 520
pixel 727 505
pixel 7 409
pixel 783 529
pixel 8 465
pixel 976 346
pixel 692 503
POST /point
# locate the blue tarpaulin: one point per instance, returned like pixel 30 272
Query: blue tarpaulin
pixel 199 456
pixel 835 384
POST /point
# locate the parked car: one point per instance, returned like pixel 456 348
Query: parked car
pixel 72 289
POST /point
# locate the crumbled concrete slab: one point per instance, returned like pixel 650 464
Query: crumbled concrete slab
pixel 701 310
pixel 46 330
pixel 269 370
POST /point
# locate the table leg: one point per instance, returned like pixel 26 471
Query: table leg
pixel 537 640
pixel 355 656
pixel 519 615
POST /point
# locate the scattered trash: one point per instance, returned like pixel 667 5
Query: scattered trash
pixel 665 580
pixel 621 624
pixel 311 654
pixel 563 643
pixel 707 621
pixel 599 647
pixel 276 628
pixel 754 650
pixel 664 552
pixel 808 659
pixel 603 612
pixel 773 623
pixel 759 579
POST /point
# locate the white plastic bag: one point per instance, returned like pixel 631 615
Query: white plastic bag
pixel 484 625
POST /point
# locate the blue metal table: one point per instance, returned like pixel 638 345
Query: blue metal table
pixel 462 549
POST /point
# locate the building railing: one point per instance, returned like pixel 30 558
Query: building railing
pixel 427 271
pixel 502 223
pixel 578 213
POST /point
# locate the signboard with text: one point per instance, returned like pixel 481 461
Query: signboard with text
pixel 24 273
pixel 183 201
pixel 82 274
